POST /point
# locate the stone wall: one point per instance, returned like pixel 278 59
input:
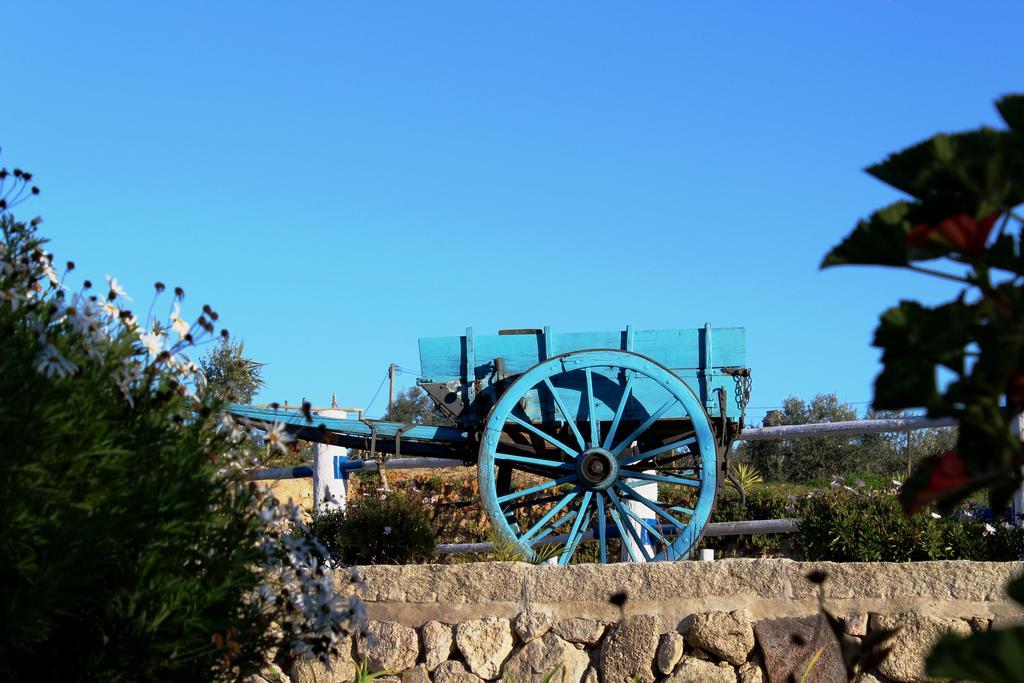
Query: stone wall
pixel 731 620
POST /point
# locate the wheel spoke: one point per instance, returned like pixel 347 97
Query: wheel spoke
pixel 620 410
pixel 641 546
pixel 623 535
pixel 553 527
pixel 602 532
pixel 525 538
pixel 577 527
pixel 645 426
pixel 595 426
pixel 537 489
pixel 659 450
pixel 631 493
pixel 646 525
pixel 565 413
pixel 550 464
pixel 663 478
pixel 680 508
pixel 544 435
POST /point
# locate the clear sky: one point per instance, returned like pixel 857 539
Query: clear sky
pixel 338 179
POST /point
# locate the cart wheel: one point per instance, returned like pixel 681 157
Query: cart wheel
pixel 611 455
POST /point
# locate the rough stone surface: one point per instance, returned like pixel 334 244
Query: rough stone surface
pixel 693 670
pixel 390 647
pixel 532 624
pixel 725 634
pixel 538 658
pixel 585 631
pixel 438 643
pixel 417 674
pixel 628 652
pixel 788 645
pixel 454 672
pixel 484 644
pixel 670 651
pixel 750 672
pixel 856 624
pixel 917 634
pixel 343 667
pixel 591 676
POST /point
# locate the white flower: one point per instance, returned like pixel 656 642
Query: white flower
pixel 177 324
pixel 153 341
pixel 112 311
pixel 897 482
pixel 989 529
pixel 277 438
pixel 52 364
pixel 51 274
pixel 387 530
pixel 936 515
pixel 116 288
pixel 13 297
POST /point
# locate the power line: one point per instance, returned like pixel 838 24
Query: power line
pixel 379 387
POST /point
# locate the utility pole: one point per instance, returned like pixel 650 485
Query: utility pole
pixel 391 387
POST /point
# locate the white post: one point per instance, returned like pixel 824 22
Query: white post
pixel 1017 502
pixel 649 490
pixel 329 492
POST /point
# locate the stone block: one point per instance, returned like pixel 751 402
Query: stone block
pixel 912 642
pixel 627 654
pixel 537 659
pixel 484 644
pixel 728 635
pixel 670 651
pixel 438 642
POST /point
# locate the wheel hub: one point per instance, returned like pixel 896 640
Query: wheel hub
pixel 597 468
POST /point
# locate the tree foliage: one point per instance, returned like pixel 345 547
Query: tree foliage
pixel 231 376
pixel 414 407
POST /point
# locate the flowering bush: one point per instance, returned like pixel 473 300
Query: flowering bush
pixel 377 528
pixel 846 524
pixel 132 546
pixel 964 190
pixel 385 528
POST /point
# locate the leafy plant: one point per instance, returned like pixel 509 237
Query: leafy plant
pixel 964 190
pixel 505 550
pixel 376 529
pixel 742 478
pixel 134 549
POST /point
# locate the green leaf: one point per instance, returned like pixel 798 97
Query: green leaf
pixel 1011 108
pixel 987 657
pixel 915 339
pixel 1004 254
pixel 879 240
pixel 963 172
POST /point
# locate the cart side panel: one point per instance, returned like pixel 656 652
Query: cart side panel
pixel 698 356
pixel 444 358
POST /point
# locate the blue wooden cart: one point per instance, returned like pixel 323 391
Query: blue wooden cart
pixel 610 444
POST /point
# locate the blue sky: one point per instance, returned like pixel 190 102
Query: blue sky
pixel 338 179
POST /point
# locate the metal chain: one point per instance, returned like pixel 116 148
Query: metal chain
pixel 743 386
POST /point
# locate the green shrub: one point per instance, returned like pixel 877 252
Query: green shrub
pixel 133 548
pixel 858 526
pixel 376 529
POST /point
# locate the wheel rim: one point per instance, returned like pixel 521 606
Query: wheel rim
pixel 578 480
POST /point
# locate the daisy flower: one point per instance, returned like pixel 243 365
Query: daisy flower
pixel 116 289
pixel 277 438
pixel 153 341
pixel 177 324
pixel 52 364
